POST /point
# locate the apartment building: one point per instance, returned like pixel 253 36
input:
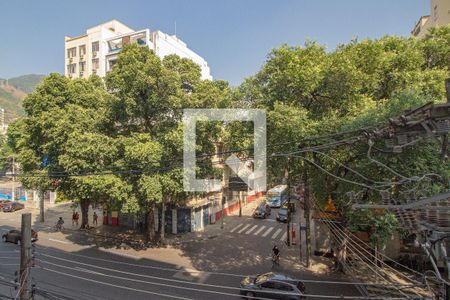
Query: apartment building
pixel 96 51
pixel 3 125
pixel 439 16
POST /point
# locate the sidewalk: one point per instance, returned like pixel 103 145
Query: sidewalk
pixel 212 231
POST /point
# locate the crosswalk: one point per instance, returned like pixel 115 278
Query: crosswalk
pixel 271 230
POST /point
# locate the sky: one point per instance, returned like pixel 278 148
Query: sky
pixel 234 36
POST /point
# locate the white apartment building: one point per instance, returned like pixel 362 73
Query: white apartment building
pixel 439 16
pixel 3 126
pixel 96 51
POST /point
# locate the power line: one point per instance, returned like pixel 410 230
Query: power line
pixel 345 237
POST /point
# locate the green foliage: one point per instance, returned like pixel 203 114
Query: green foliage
pixel 128 127
pixel 380 225
pixel 309 91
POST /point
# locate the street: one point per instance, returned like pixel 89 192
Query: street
pixel 210 264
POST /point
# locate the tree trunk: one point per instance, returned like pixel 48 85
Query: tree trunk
pixel 151 234
pixel 41 206
pixel 341 258
pixel 84 205
pixel 162 232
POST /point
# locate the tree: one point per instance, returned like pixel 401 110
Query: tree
pixel 149 96
pixel 309 91
pixel 61 113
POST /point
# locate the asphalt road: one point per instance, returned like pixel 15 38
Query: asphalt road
pixel 72 266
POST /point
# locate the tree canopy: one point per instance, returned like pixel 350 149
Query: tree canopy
pixel 118 141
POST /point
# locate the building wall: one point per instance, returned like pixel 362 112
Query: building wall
pixel 440 12
pixel 168 44
pixel 163 44
pixel 439 16
pixel 95 34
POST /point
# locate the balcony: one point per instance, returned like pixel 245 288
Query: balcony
pixel 116 44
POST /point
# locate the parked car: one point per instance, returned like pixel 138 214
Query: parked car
pixel 282 215
pixel 13 206
pixel 272 286
pixel 3 202
pixel 262 211
pixel 15 236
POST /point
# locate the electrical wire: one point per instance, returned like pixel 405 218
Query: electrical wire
pixel 205 291
pixel 346 237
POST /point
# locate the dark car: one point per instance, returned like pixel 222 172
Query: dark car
pixel 282 215
pixel 272 286
pixel 15 236
pixel 13 206
pixel 3 203
pixel 262 211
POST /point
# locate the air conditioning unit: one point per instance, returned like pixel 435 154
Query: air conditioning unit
pixel 94 71
pixel 70 59
pixel 94 54
pixel 81 57
pixel 81 74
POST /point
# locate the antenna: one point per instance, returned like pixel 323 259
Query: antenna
pixel 175 28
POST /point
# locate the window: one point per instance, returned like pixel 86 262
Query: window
pixel 82 66
pixel 112 63
pixel 283 287
pixel 71 69
pixel 95 64
pixel 263 277
pixel 95 47
pixel 115 45
pixel 82 50
pixel 268 285
pixel 72 52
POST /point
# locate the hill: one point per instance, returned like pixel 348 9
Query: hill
pixel 26 83
pixel 13 91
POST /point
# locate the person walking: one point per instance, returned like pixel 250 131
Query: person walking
pixel 75 217
pixel 95 219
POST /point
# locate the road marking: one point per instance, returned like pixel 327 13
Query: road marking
pixel 276 233
pixel 135 257
pixel 259 230
pixel 190 275
pixel 8 257
pixel 17 251
pixel 58 241
pixel 251 229
pixel 88 271
pixel 267 232
pixel 132 264
pixel 239 225
pixel 270 220
pixel 144 281
pixel 118 286
pixel 283 238
pixel 243 228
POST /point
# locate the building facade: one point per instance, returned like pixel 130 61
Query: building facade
pixel 439 16
pixel 96 51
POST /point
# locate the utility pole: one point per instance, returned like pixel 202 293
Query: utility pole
pixel 307 213
pixel 25 257
pixel 240 203
pixel 222 212
pixel 13 192
pixel 288 226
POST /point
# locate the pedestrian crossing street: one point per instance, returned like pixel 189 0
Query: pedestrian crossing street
pixel 274 232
